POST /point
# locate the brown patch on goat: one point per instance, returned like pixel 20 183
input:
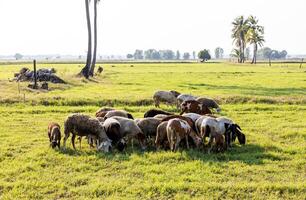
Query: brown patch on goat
pixel 103 111
pixel 193 106
pixel 187 119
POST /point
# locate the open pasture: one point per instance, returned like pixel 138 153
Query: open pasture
pixel 268 102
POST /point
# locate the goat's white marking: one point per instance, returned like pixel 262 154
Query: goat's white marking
pixel 184 125
pixel 105 145
pixel 188 106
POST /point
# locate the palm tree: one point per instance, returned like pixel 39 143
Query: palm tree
pixel 85 71
pixel 93 64
pixel 255 36
pixel 236 53
pixel 240 30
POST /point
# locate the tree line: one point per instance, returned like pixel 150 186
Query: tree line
pixel 153 54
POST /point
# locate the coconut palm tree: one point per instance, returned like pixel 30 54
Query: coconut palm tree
pixel 255 36
pixel 236 53
pixel 85 71
pixel 93 63
pixel 239 32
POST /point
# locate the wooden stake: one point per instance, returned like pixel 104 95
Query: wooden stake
pixel 35 75
pixel 18 87
pixel 301 63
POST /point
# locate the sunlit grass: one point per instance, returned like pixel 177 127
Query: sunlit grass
pixel 267 102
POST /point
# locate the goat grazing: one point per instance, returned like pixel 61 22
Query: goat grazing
pixel 209 103
pixel 168 97
pixel 177 129
pixel 210 128
pixel 193 106
pixel 130 130
pixel 54 133
pixel 83 125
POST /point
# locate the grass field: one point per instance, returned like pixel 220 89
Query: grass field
pixel 268 102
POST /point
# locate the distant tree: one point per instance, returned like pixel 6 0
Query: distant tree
pixel 186 56
pixel 156 55
pixel 138 55
pixel 85 71
pixel 194 55
pixel 178 55
pixel 283 54
pixel 239 32
pixel 18 56
pixel 152 54
pixel 129 56
pixel 236 54
pixel 264 53
pixel 219 53
pixel 166 54
pixel 204 55
pixel 255 36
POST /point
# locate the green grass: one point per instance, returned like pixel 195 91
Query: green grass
pixel 268 102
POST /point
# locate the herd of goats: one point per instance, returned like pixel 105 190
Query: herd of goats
pixel 112 128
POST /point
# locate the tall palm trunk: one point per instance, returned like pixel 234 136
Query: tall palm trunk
pixel 254 54
pixel 93 64
pixel 85 70
pixel 242 52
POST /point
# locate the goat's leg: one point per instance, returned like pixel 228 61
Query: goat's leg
pixel 49 134
pixel 211 138
pixel 65 139
pixel 176 144
pixel 73 141
pixel 59 143
pixel 187 143
pixel 80 141
pixel 227 139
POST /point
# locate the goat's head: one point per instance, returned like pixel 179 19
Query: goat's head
pixel 105 145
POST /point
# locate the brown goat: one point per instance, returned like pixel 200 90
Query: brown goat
pixel 161 140
pixel 177 129
pixel 187 119
pixel 54 133
pixel 193 106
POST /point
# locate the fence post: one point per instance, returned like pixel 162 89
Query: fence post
pixel 35 75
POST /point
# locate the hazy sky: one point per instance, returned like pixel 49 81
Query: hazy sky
pixel 59 26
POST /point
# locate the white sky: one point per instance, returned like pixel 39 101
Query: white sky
pixel 59 26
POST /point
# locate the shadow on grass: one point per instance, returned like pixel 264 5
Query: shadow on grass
pixel 250 154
